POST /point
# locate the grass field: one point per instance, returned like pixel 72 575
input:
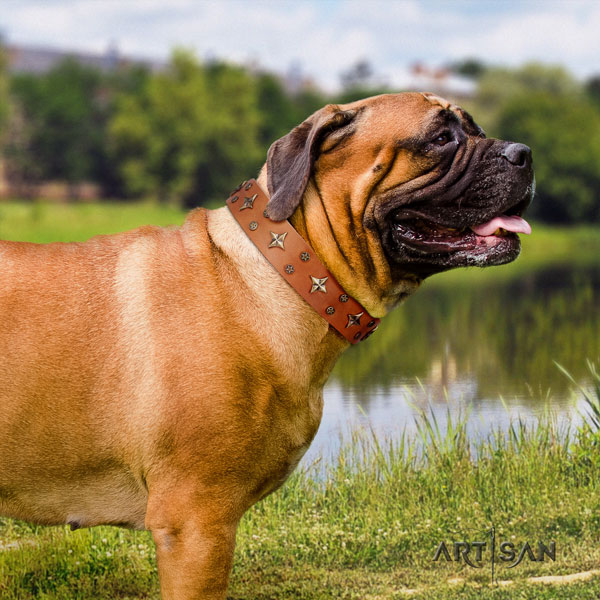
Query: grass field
pixel 369 528
pixel 44 222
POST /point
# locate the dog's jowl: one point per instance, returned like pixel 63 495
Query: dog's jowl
pixel 168 379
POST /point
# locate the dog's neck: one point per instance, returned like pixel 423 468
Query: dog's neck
pixel 368 278
pixel 298 263
pixel 276 312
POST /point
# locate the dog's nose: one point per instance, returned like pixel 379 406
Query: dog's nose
pixel 517 154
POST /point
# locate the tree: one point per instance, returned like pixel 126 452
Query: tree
pixel 278 112
pixel 190 134
pixel 592 87
pixel 306 102
pixel 472 68
pixel 60 118
pixel 547 109
pixel 360 81
pixel 497 86
pixel 4 100
pixel 564 134
pixel 359 75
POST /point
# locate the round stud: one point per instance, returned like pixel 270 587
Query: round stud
pixel 330 310
pixel 265 214
pixel 235 199
pixel 368 334
pixel 253 225
pixel 344 298
pixel 248 187
pixel 289 269
pixel 304 256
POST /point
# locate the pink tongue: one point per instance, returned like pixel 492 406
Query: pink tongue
pixel 514 223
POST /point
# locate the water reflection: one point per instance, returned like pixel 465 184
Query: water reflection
pixel 451 345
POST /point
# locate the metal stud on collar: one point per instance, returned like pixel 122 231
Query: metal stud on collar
pixel 318 284
pixel 248 202
pixel 354 320
pixel 292 257
pixel 277 240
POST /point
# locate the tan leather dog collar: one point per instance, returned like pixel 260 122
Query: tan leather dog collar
pixel 298 264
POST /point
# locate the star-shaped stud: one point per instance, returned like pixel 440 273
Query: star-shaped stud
pixel 248 202
pixel 354 319
pixel 318 284
pixel 277 239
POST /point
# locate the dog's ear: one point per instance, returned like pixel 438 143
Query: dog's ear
pixel 291 158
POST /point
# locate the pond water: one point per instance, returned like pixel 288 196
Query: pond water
pixel 480 342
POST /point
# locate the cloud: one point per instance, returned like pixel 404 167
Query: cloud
pixel 556 35
pixel 324 36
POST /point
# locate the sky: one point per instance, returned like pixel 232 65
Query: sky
pixel 322 37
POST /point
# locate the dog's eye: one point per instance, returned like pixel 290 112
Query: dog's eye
pixel 443 139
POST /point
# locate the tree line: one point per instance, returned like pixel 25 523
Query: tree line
pixel 189 132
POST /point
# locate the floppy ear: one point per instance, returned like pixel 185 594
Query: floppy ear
pixel 291 158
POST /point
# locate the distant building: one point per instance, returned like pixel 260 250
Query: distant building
pixel 31 59
pixel 440 80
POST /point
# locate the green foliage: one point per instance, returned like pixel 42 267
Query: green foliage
pixel 563 131
pixel 592 87
pixel 4 98
pixel 190 134
pixel 545 108
pixel 591 398
pixel 469 67
pixel 498 86
pixel 277 110
pixel 360 81
pixel 64 112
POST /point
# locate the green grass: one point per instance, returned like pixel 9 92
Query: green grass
pixel 369 529
pixel 44 222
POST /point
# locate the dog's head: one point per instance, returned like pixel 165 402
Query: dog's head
pixel 394 188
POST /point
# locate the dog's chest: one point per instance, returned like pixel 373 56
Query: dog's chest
pixel 278 475
pixel 289 446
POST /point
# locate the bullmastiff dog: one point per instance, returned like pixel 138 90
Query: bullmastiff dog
pixel 168 379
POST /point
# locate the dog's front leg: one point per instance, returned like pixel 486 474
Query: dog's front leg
pixel 194 548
